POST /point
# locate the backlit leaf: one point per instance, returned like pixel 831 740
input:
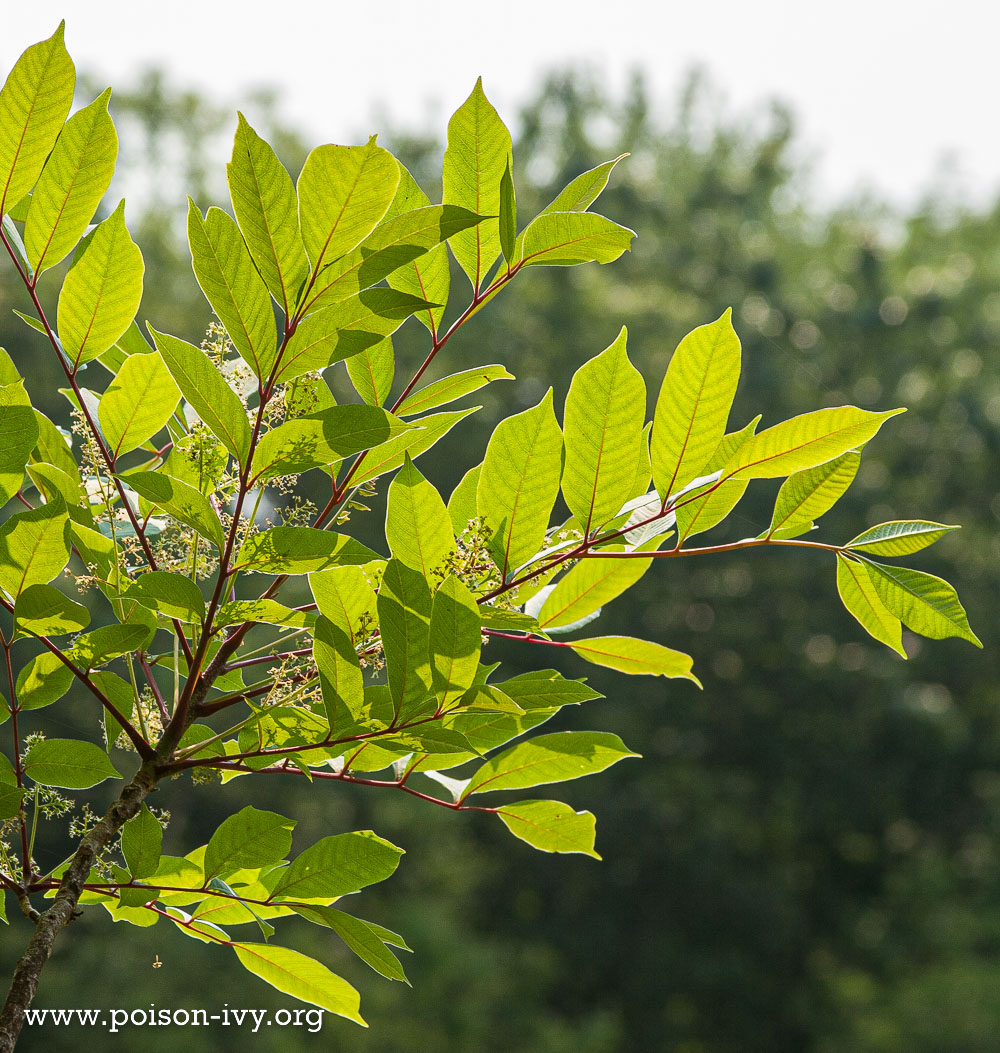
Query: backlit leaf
pixel 75 178
pixel 805 441
pixel 19 432
pixel 300 550
pixel 301 977
pixel 605 411
pixel 519 483
pixel 455 641
pixel 900 537
pixel 138 402
pixel 550 826
pixel 860 597
pixel 266 209
pixel 478 153
pixel 924 603
pixel 34 103
pixel 549 758
pixel 564 239
pixel 43 610
pixel 207 392
pixel 250 838
pixel 807 495
pixel 68 763
pixel 231 284
pixel 693 404
pixel 343 193
pixel 102 290
pixel 448 389
pixel 417 526
pixel 142 838
pixel 181 500
pixel 336 866
pixel 34 547
pixel 641 657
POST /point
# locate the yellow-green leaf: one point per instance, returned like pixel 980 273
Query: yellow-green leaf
pixel 344 191
pixel 34 103
pixel 232 286
pixel 478 153
pixel 694 403
pixel 550 826
pixel 637 657
pixel 139 401
pixel 924 603
pixel 805 441
pixel 564 239
pixel 900 537
pixel 519 483
pixel 860 597
pixel 807 495
pixel 417 526
pixel 267 211
pixel 72 183
pixel 102 290
pixel 301 977
pixel 605 410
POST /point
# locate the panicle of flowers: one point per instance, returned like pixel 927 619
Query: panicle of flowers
pixel 10 863
pixel 52 804
pixel 295 682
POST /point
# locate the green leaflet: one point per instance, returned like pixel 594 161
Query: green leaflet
pixel 519 483
pixel 417 526
pixel 805 441
pixel 637 657
pixel 582 192
pixel 404 614
pixel 323 439
pixel 10 805
pixel 807 495
pixel 550 826
pixel 142 839
pixel 267 611
pixel 173 595
pixel 300 550
pixel 861 598
pixel 44 680
pixel 701 512
pixel 564 239
pixel 138 402
pixel 232 286
pixel 343 193
pixel 603 421
pixel 43 610
pixel 428 276
pixel 266 209
pixel 394 243
pixel 108 642
pixel 207 392
pixel 455 641
pixel 693 404
pixel 102 290
pixel 250 838
pixel 19 432
pixel 508 216
pixel 448 389
pixel 462 503
pixel 345 596
pixel 180 500
pixel 302 977
pixel 546 759
pixel 391 454
pixel 343 329
pixel 478 153
pixel 34 103
pixel 372 370
pixel 68 763
pixel 340 676
pixel 336 866
pixel 73 181
pixel 34 547
pixel 900 537
pixel 587 587
pixel 366 940
pixel 924 603
pixel 52 446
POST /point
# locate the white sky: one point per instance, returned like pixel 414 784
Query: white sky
pixel 883 90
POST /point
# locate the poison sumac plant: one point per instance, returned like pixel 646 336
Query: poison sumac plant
pixel 153 508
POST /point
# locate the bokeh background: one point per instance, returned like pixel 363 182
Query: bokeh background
pixel 806 857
